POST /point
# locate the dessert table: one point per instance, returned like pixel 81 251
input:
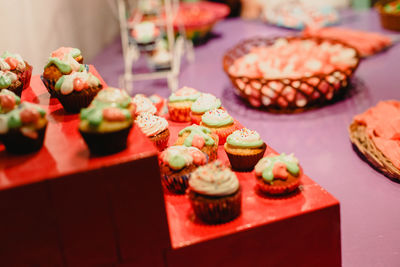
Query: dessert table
pixel 369 212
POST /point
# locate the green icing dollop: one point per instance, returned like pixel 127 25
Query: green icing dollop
pixel 59 82
pixel 291 166
pixel 179 98
pixel 75 52
pixel 94 115
pixel 217 123
pixel 177 162
pixel 14 118
pixel 197 130
pixel 5 81
pixel 7 54
pixel 64 67
pixel 247 144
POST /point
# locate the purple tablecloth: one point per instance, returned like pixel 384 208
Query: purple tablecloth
pixel 370 210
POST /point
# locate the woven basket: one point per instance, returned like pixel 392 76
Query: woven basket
pixel 388 21
pixel 369 152
pixel 288 95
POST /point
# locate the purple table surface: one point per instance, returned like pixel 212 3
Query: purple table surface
pixel 370 213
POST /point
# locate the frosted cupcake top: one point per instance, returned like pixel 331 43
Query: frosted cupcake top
pixel 76 81
pixel 178 157
pixel 111 96
pixel 216 118
pixel 145 32
pixel 214 179
pixel 8 101
pixel 245 138
pixel 7 78
pixel 10 61
pixel 198 136
pixel 205 102
pixel 96 115
pixel 277 167
pixel 65 60
pixel 184 94
pixel 143 104
pixel 150 124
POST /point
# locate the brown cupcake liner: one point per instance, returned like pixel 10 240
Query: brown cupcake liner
pixel 245 162
pixel 367 150
pixel 161 139
pixel 176 183
pixel 196 118
pixel 26 75
pixel 18 143
pixel 282 189
pixel 216 210
pixel 75 101
pixel 106 143
pixel 179 114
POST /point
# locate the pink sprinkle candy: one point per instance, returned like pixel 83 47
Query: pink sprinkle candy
pixel 7 102
pixel 279 171
pixel 198 141
pixel 113 114
pixel 29 115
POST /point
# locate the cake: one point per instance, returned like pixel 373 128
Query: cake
pixel 220 123
pixel 204 103
pixel 15 63
pixel 180 102
pixel 215 193
pixel 105 128
pixel 155 128
pixel 176 165
pixel 244 148
pixel 278 174
pixel 200 137
pixel 22 130
pixel 375 134
pixel 8 101
pixel 77 90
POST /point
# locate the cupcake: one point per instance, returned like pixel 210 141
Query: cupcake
pixel 176 165
pixel 161 58
pixel 278 174
pixel 63 61
pixel 204 103
pixel 114 97
pixel 145 34
pixel 220 123
pixel 180 102
pixel 215 194
pixel 8 101
pixel 9 80
pixel 15 63
pixel 22 130
pixel 143 104
pixel 200 137
pixel 244 148
pixel 77 90
pixel 154 127
pixel 105 129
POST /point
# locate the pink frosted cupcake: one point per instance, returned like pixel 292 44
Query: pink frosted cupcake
pixel 180 102
pixel 154 127
pixel 220 123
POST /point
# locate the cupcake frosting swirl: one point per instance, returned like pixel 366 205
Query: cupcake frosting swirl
pixel 198 136
pixel 178 157
pixel 76 81
pixel 205 102
pixel 64 59
pixel 150 124
pixel 10 61
pixel 184 94
pixel 143 104
pixel 245 138
pixel 214 179
pixel 112 96
pixel 25 114
pixel 276 166
pixel 216 118
pixel 7 78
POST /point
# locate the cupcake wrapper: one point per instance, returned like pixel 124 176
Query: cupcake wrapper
pixel 196 119
pixel 223 133
pixel 161 140
pixel 106 143
pixel 17 90
pixel 213 154
pixel 26 76
pixel 74 102
pixel 179 114
pixel 216 210
pixel 245 162
pixel 277 190
pixel 176 184
pixel 17 143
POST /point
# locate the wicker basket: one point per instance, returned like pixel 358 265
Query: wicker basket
pixel 388 21
pixel 288 95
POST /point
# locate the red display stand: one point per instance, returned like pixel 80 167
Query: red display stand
pixel 63 207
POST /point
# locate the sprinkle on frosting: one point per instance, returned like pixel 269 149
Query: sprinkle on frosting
pixel 245 138
pixel 277 167
pixel 143 104
pixel 184 94
pixel 7 78
pixel 214 179
pixel 111 96
pixel 205 102
pixel 76 81
pixel 178 157
pixel 8 100
pixel 198 136
pixel 150 124
pixel 216 118
pixel 64 59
